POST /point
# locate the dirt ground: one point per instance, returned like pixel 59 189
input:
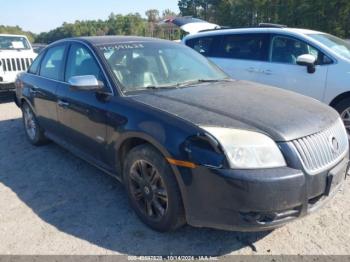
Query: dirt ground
pixel 51 202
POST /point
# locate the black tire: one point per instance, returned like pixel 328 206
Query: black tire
pixel 343 108
pixel 147 158
pixel 34 132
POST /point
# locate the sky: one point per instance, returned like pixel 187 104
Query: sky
pixel 43 15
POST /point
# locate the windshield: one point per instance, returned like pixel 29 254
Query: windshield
pixel 150 65
pixel 13 43
pixel 339 46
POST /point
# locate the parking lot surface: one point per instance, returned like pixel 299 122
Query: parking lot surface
pixel 51 202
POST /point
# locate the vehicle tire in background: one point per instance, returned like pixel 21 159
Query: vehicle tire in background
pixel 343 108
pixel 152 189
pixel 34 132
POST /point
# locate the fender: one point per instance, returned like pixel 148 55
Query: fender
pixel 152 141
pixel 19 102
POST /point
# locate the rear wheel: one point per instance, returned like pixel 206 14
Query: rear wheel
pixel 343 108
pixel 34 132
pixel 152 189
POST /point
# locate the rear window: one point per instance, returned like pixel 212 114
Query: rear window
pixel 202 45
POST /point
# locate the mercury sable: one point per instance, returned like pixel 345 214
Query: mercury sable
pixel 190 144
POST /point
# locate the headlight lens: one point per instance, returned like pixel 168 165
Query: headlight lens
pixel 246 149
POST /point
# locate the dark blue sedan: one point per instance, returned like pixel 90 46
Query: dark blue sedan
pixel 189 144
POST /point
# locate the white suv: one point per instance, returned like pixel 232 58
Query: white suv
pixel 312 63
pixel 16 55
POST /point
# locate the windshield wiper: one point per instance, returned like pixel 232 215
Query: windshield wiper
pixel 179 85
pixel 198 81
pixel 161 87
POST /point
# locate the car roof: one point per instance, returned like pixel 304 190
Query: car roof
pixel 256 30
pixel 106 40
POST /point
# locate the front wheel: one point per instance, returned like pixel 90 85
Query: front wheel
pixel 152 189
pixel 34 132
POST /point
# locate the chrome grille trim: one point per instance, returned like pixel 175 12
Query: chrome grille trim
pixel 316 152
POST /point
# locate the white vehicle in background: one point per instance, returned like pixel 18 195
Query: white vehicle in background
pixel 309 62
pixel 16 55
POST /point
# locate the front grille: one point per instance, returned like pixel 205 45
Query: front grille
pixel 16 64
pixel 321 151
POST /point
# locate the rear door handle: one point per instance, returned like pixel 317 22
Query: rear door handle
pixel 33 90
pixel 267 72
pixel 63 103
pixel 252 70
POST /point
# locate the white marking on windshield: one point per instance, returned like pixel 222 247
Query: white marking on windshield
pixel 122 47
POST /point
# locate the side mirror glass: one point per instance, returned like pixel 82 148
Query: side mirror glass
pixel 85 83
pixel 308 61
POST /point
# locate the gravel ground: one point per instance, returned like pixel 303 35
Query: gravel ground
pixel 51 202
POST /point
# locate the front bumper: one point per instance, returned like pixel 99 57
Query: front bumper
pixel 256 200
pixel 7 86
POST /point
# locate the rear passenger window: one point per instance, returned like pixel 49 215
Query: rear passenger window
pixel 52 65
pixel 35 65
pixel 247 47
pixel 202 45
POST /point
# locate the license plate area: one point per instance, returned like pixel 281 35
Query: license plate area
pixel 335 177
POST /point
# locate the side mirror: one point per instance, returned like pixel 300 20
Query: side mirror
pixel 85 83
pixel 308 61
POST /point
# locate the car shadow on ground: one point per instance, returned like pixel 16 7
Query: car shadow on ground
pixel 6 96
pixel 80 200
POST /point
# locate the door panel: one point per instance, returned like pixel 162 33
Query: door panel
pixel 41 93
pixel 84 116
pixel 43 86
pixel 239 69
pixel 44 94
pixel 241 55
pixel 83 113
pixel 295 78
pixel 282 70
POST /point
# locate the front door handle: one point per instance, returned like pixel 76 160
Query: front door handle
pixel 63 103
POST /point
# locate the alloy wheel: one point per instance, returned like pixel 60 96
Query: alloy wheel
pixel 148 190
pixel 29 122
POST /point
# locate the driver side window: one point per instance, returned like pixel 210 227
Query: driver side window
pixel 80 62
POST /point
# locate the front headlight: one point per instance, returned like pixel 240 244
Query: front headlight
pixel 246 149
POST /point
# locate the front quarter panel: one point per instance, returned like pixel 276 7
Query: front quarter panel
pixel 338 80
pixel 172 136
pixel 131 119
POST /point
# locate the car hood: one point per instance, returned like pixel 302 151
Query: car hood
pixel 281 114
pixel 17 54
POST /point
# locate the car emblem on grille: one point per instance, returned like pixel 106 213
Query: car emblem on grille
pixel 334 144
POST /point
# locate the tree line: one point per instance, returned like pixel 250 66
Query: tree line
pixel 332 16
pixel 116 24
pixel 16 30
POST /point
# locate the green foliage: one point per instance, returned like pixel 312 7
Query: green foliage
pixel 16 30
pixel 116 24
pixel 328 16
